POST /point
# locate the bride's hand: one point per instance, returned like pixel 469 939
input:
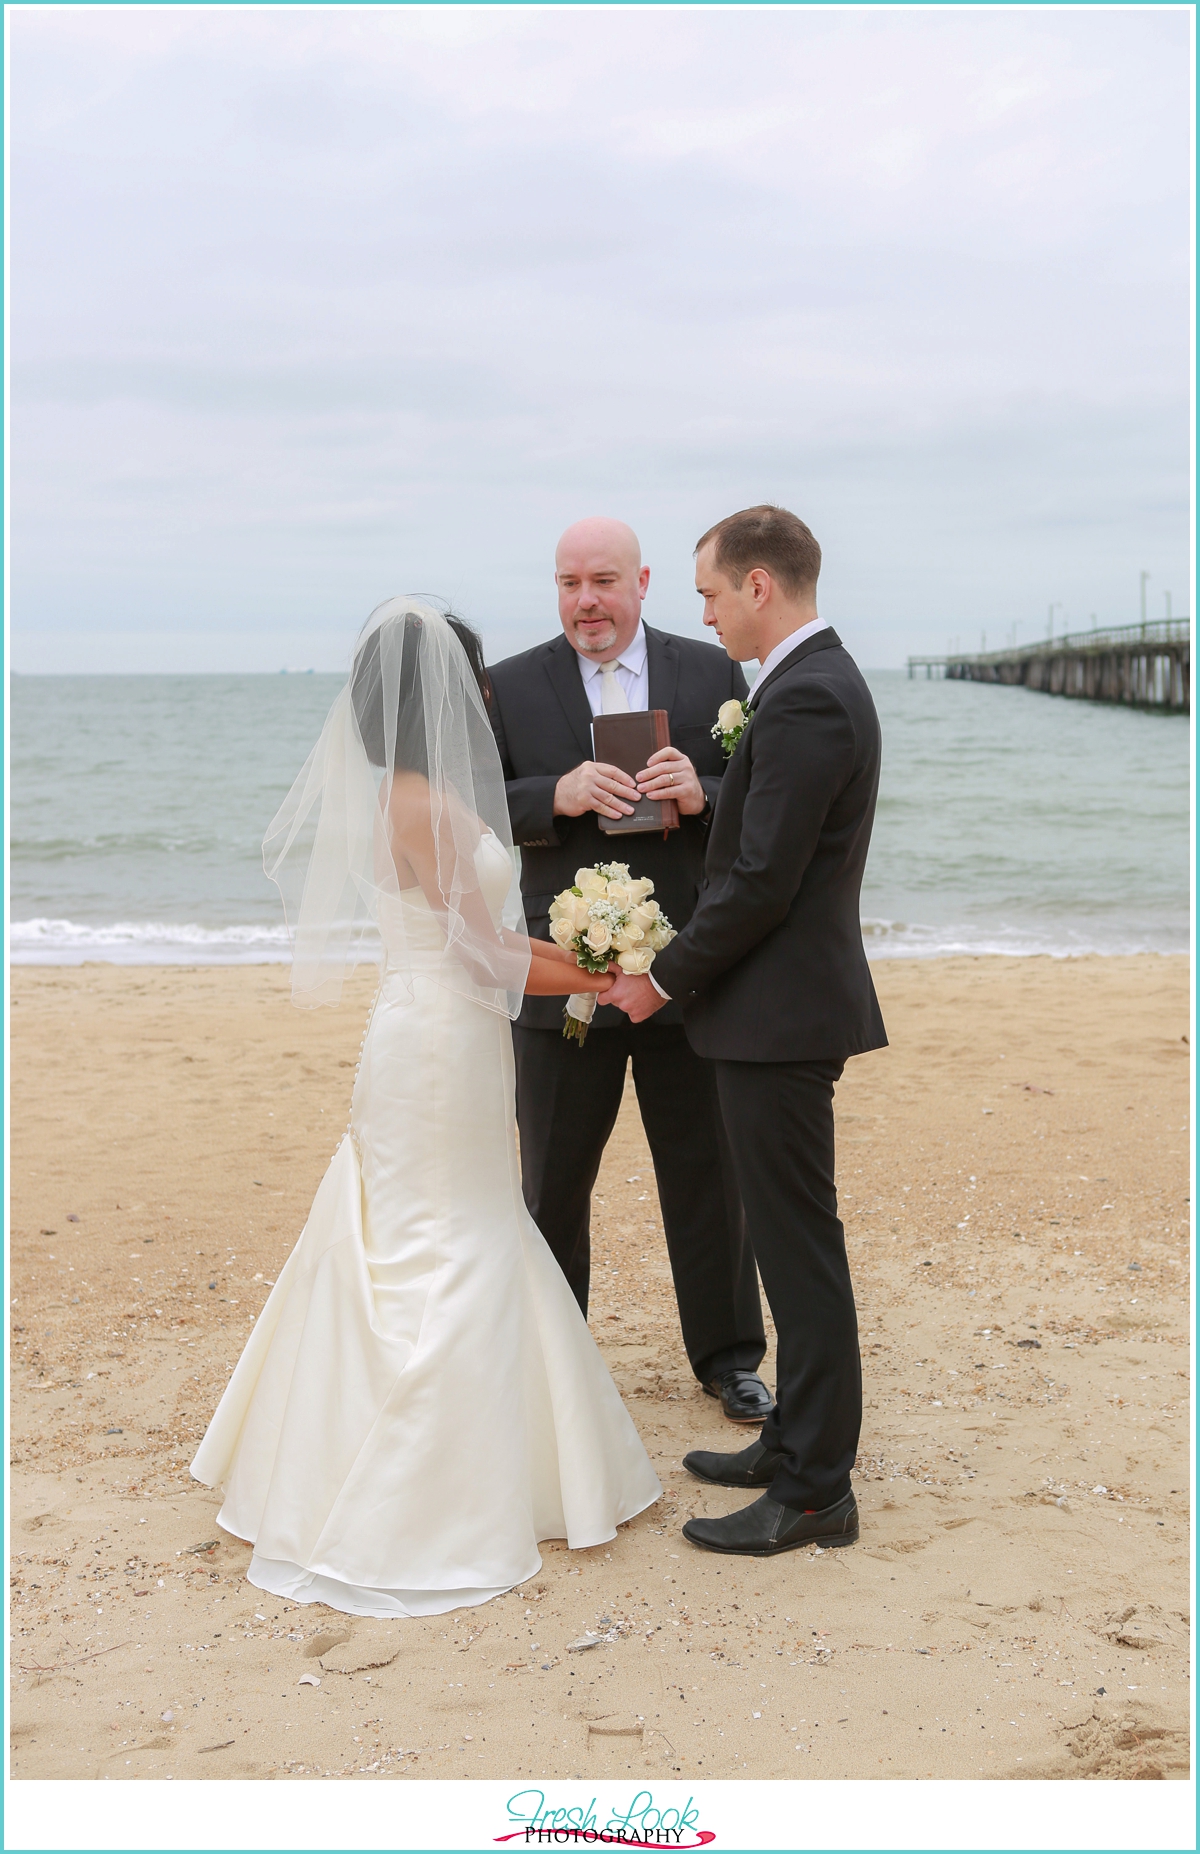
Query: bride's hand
pixel 546 977
pixel 546 949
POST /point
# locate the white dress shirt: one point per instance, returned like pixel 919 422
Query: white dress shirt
pixel 783 648
pixel 632 674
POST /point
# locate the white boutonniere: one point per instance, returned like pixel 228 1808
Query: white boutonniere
pixel 731 723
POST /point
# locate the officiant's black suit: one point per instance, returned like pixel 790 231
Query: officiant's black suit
pixel 568 1097
pixel 776 990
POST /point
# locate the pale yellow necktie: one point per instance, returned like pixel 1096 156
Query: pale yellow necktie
pixel 613 699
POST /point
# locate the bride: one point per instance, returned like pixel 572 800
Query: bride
pixel 420 1401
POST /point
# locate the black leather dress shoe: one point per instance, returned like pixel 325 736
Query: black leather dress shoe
pixel 755 1466
pixel 759 1531
pixel 744 1396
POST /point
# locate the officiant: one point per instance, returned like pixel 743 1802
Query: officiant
pixel 606 660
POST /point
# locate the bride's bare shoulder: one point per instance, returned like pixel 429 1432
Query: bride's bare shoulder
pixel 409 804
pixel 405 792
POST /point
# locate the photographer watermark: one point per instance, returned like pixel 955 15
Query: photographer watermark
pixel 640 1824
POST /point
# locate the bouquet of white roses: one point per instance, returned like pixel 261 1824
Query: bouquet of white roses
pixel 607 914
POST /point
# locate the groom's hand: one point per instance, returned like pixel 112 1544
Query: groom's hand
pixel 595 786
pixel 670 774
pixel 635 996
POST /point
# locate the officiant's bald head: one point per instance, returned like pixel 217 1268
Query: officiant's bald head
pixel 601 584
pixel 599 534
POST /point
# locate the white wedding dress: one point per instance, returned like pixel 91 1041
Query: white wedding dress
pixel 420 1401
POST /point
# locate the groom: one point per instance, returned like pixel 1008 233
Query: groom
pixel 606 660
pixel 775 989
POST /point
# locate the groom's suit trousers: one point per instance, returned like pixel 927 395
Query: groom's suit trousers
pixel 779 1117
pixel 567 1103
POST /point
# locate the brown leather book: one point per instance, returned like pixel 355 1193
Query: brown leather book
pixel 628 741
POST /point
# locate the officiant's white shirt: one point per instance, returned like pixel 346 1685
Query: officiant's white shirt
pixel 774 657
pixel 632 674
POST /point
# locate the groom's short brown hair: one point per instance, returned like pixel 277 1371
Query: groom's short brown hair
pixel 768 537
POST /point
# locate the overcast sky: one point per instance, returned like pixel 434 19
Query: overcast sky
pixel 312 307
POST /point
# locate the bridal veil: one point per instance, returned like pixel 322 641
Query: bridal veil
pixel 399 792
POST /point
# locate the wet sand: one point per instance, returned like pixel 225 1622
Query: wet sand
pixel 1014 1176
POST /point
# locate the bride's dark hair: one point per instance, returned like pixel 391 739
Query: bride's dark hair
pixel 366 694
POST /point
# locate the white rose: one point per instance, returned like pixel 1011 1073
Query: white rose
pixel 644 914
pixel 618 893
pixel 635 963
pixel 658 937
pixel 729 716
pixel 618 872
pixel 580 919
pixel 642 887
pixel 589 882
pixel 563 906
pixel 621 942
pixel 598 937
pixel 562 932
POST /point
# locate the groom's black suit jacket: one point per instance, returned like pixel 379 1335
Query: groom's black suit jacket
pixel 771 966
pixel 543 725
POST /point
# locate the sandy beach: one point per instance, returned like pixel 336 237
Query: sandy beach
pixel 1014 1178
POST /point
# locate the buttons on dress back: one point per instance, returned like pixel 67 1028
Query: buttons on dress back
pixel 358 1066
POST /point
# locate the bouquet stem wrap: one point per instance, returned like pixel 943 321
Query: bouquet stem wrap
pixel 578 1012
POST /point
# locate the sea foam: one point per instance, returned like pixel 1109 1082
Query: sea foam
pixel 61 942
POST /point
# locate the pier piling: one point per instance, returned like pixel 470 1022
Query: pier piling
pixel 1142 665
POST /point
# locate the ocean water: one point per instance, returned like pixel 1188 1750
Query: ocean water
pixel 1008 821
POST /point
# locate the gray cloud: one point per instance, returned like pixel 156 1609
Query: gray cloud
pixel 312 306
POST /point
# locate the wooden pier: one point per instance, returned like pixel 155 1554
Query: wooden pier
pixel 1143 665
